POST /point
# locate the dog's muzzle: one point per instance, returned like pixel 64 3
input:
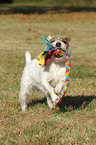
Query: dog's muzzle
pixel 59 54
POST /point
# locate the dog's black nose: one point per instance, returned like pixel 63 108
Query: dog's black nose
pixel 58 44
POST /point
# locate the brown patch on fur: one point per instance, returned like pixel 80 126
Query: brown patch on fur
pixel 66 40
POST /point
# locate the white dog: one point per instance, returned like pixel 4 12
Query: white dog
pixel 49 78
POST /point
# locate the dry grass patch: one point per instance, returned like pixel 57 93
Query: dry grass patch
pixel 75 121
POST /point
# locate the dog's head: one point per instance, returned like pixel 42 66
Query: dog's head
pixel 61 43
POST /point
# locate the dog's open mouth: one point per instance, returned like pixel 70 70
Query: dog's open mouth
pixel 58 54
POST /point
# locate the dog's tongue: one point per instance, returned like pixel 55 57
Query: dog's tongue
pixel 50 53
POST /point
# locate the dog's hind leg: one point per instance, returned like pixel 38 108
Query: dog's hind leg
pixel 23 99
pixel 24 94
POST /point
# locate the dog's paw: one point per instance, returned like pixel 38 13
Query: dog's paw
pixel 51 106
pixel 57 89
pixel 24 108
pixel 54 96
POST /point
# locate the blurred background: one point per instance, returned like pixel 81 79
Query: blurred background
pixel 56 2
pixel 43 6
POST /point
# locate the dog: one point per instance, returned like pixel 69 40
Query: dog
pixel 49 78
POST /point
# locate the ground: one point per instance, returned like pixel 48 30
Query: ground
pixel 75 121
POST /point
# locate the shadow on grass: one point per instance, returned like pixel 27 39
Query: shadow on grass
pixel 68 103
pixel 27 9
pixel 37 101
pixel 75 103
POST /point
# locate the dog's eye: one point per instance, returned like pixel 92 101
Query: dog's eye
pixel 64 42
pixel 52 40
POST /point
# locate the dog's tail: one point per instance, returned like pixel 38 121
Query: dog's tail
pixel 28 57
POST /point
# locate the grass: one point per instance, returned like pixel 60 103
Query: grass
pixel 75 121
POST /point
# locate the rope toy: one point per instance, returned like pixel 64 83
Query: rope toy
pixel 44 58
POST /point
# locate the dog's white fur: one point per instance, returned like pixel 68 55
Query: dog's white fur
pixel 48 79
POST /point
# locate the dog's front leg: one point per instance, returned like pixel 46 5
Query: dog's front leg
pixel 50 90
pixel 58 88
pixel 59 85
pixel 49 102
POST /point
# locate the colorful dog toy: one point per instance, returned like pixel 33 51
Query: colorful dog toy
pixel 44 58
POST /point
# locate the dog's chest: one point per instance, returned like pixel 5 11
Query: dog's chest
pixel 56 73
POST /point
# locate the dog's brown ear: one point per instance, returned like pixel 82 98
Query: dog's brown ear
pixel 49 38
pixel 68 39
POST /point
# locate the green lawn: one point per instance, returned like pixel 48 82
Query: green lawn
pixel 75 122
